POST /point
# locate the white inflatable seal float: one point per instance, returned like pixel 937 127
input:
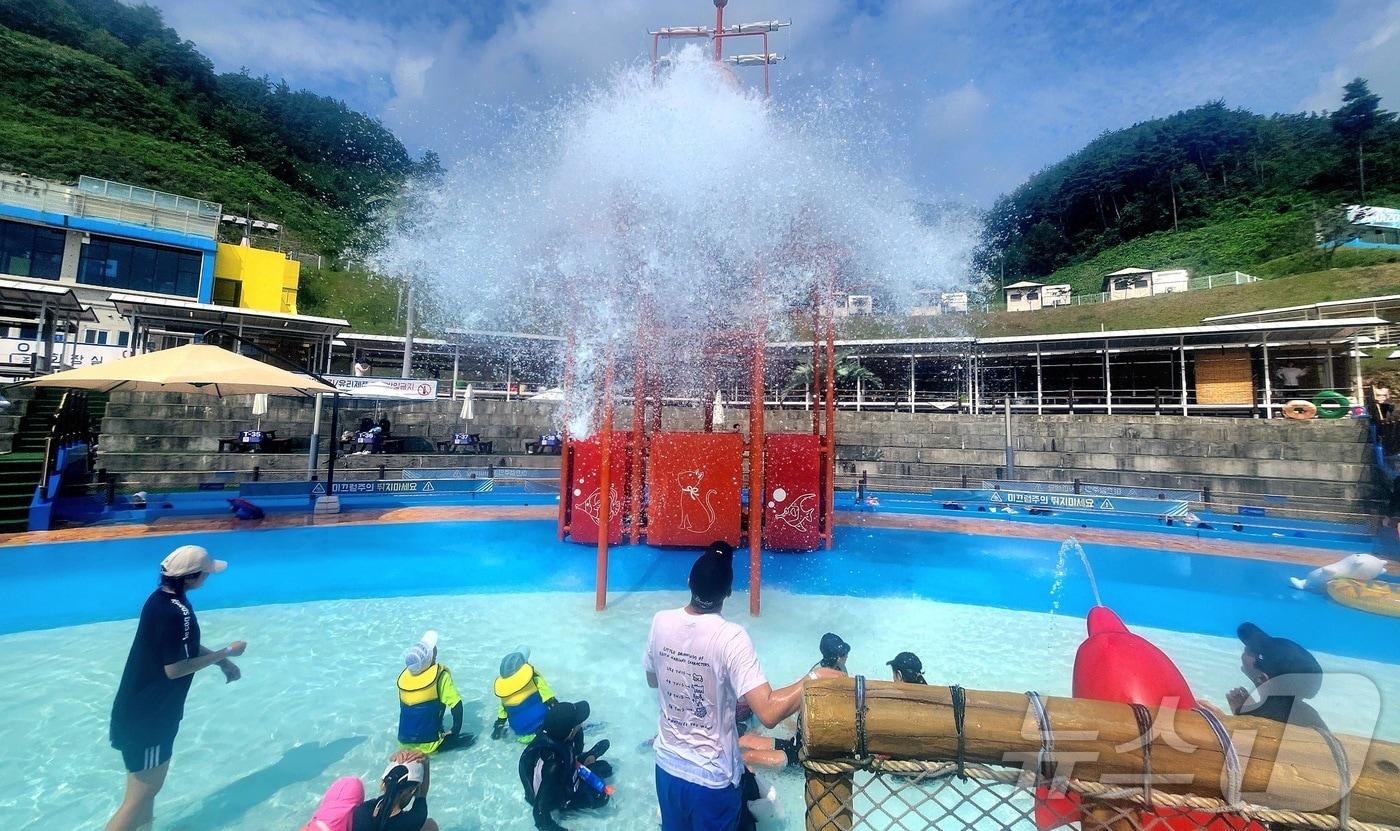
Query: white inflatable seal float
pixel 1361 567
pixel 766 809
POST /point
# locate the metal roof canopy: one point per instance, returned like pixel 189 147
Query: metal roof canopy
pixel 1328 304
pixel 195 318
pixel 1192 337
pixel 19 294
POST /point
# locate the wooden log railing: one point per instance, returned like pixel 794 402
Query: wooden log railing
pixel 1286 774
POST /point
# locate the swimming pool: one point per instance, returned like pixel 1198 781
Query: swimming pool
pixel 328 612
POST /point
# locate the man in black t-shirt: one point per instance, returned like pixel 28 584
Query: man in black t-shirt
pixel 1284 673
pixel 150 701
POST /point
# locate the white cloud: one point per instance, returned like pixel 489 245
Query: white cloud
pixel 955 113
pixel 1376 56
pixel 303 40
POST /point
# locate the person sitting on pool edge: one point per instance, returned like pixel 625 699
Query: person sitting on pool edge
pixel 907 668
pixel 525 697
pixel 549 766
pixel 1283 674
pixel 426 691
pixel 403 801
pixel 769 751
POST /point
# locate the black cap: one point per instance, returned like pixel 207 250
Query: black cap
pixel 1292 670
pixel 712 576
pixel 564 717
pixel 833 647
pixel 908 664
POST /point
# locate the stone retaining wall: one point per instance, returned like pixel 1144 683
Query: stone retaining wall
pixel 161 441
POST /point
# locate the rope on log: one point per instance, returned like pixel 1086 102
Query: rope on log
pixel 1145 797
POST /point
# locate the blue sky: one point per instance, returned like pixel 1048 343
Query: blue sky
pixel 981 93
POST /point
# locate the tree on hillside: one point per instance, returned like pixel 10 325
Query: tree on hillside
pixel 1333 224
pixel 1356 119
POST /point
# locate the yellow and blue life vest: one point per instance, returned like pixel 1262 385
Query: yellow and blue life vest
pixel 421 706
pixel 522 701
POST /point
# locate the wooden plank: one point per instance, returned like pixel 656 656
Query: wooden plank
pixel 1282 768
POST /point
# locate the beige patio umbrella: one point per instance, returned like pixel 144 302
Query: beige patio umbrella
pixel 199 368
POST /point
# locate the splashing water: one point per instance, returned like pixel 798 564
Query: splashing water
pixel 1070 545
pixel 688 199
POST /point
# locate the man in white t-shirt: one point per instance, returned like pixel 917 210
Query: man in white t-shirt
pixel 1291 375
pixel 701 665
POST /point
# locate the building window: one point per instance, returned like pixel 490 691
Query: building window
pixel 95 336
pixel 138 266
pixel 227 292
pixel 123 338
pixel 28 331
pixel 30 250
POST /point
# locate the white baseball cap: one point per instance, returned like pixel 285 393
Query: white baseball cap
pixel 420 656
pixel 415 771
pixel 190 559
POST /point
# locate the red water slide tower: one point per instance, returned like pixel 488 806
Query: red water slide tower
pixel 687 488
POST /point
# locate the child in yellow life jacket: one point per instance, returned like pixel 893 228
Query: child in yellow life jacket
pixel 426 692
pixel 525 697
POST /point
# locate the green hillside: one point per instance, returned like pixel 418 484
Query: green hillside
pixel 1210 189
pixel 99 88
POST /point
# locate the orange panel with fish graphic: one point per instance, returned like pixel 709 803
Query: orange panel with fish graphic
pixel 792 479
pixel 586 500
pixel 693 486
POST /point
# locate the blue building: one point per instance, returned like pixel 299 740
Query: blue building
pixel 1373 227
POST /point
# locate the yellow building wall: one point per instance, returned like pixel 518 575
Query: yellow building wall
pixel 269 279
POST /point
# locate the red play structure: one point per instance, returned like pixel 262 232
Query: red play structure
pixel 686 488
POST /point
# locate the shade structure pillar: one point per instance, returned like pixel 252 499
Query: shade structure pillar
pixel 312 455
pixel 456 366
pixel 911 382
pixel 1039 384
pixel 1107 381
pixel 860 387
pixel 1329 373
pixel 1358 382
pixel 605 487
pixel 39 337
pixel 1181 353
pixel 1268 380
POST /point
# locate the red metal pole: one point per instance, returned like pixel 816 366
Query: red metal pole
pixel 639 406
pixel 816 350
pixel 756 490
pixel 719 29
pixel 565 485
pixel 604 489
pixel 830 314
pixel 656 411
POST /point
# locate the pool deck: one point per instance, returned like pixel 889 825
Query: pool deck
pixel 1299 555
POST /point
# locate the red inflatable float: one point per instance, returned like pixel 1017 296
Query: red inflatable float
pixel 1113 664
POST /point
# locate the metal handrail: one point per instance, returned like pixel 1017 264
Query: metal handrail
pixel 70 426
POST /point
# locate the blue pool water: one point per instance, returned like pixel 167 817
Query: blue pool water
pixel 1186 593
pixel 328 612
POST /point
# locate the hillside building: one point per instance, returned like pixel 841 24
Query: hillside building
pixel 1126 283
pixel 95 271
pixel 1030 296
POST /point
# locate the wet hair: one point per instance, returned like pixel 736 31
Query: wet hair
pixel 396 790
pixel 180 583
